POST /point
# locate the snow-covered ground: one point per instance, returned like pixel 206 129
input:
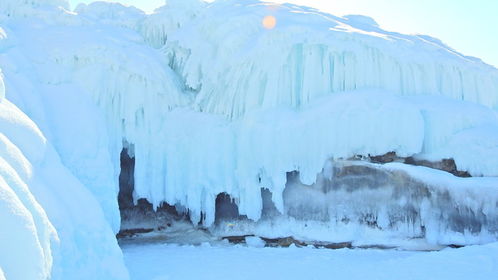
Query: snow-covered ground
pixel 168 261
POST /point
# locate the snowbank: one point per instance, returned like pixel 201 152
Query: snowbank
pixel 27 234
pixel 53 227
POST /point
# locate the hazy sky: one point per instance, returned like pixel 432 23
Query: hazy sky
pixel 469 26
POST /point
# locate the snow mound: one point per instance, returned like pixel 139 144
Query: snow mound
pixel 53 227
pixel 482 141
pixel 27 234
pixel 254 241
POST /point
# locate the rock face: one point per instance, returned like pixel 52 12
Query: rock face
pixel 395 200
pixel 226 208
pixel 350 200
pixel 447 165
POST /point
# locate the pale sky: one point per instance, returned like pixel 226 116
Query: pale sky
pixel 469 26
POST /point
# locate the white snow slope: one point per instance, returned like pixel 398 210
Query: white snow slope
pixel 212 101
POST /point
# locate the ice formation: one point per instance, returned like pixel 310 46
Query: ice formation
pixel 264 87
pixel 310 54
pixel 26 232
pixel 207 102
pixel 48 218
pixel 52 226
pixel 397 201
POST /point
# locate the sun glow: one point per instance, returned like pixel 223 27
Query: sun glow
pixel 269 22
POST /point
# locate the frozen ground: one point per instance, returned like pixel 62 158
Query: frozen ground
pixel 169 261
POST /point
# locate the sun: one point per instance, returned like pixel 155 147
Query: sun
pixel 269 22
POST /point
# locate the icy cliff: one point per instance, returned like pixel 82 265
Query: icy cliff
pixel 313 87
pixel 310 54
pixel 207 100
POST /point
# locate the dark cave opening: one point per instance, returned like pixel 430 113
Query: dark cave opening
pixel 126 180
pixel 269 209
pixel 141 217
pixel 226 209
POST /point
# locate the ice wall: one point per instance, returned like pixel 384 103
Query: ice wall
pixel 237 65
pixel 208 155
pixel 251 75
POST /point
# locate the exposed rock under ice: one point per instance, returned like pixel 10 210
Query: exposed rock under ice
pixel 395 198
pixel 363 204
